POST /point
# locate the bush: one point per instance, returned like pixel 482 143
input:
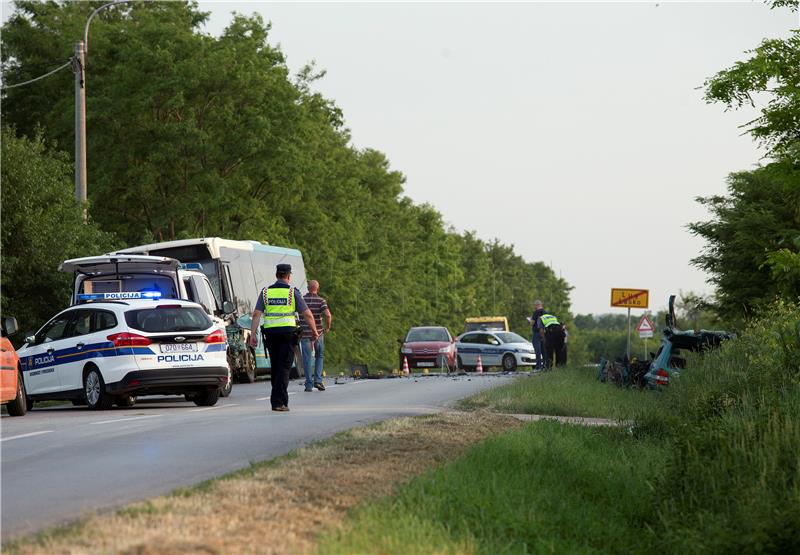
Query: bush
pixel 732 481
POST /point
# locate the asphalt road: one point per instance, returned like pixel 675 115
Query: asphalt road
pixel 61 462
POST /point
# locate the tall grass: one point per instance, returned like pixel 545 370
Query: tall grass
pixel 563 392
pixel 732 480
pixel 545 488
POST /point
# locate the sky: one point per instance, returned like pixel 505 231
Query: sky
pixel 575 131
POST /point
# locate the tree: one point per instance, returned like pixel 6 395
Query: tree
pixel 192 135
pixel 754 238
pixel 757 220
pixel 42 226
pixel 774 69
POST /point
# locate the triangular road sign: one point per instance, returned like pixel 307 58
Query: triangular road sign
pixel 645 325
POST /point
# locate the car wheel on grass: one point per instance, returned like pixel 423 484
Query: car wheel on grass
pixel 95 390
pixel 125 401
pixel 19 406
pixel 509 363
pixel 206 398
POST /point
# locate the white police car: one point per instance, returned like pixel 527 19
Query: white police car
pixel 499 348
pixel 122 345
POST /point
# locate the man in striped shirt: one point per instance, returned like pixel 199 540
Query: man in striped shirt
pixel 318 307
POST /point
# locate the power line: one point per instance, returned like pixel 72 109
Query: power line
pixel 69 63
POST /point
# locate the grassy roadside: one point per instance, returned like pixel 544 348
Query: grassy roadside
pixel 546 487
pixel 709 466
pixel 563 392
pixel 279 506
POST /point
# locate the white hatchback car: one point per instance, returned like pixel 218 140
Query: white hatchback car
pixel 122 345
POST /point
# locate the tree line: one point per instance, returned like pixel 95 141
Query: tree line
pixel 191 135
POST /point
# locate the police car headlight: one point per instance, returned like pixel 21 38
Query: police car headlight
pixel 406 351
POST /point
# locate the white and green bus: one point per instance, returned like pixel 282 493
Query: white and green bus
pixel 237 271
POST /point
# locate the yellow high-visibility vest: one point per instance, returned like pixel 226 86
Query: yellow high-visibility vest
pixel 279 308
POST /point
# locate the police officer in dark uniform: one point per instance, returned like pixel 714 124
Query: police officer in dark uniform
pixel 553 335
pixel 278 303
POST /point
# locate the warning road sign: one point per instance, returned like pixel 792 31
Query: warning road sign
pixel 631 298
pixel 645 327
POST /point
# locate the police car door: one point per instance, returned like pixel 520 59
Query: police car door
pixel 42 358
pixel 468 349
pixel 79 345
pixel 490 347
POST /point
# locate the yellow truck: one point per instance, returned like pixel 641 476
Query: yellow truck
pixel 486 323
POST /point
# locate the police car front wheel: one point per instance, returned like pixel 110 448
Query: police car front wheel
pixel 95 390
pixel 509 362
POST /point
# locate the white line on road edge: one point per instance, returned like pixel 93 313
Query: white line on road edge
pixel 127 419
pixel 262 399
pixel 26 435
pixel 218 407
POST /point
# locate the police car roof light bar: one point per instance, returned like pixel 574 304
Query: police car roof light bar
pixel 122 295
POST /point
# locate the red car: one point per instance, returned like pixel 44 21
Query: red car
pixel 429 347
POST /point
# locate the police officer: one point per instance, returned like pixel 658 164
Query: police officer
pixel 278 303
pixel 553 336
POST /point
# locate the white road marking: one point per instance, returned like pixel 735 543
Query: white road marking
pixel 262 399
pixel 217 407
pixel 127 419
pixel 26 435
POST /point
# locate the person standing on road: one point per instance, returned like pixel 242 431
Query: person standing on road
pixel 536 338
pixel 318 307
pixel 278 303
pixel 552 333
pixel 561 354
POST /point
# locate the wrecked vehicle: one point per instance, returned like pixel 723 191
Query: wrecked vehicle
pixel 668 361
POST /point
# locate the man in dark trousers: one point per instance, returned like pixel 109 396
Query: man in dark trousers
pixel 278 303
pixel 536 338
pixel 553 335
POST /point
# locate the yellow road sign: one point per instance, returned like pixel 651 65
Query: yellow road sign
pixel 630 298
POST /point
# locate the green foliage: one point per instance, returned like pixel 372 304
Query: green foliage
pixel 191 135
pixel 752 238
pixel 42 225
pixel 774 68
pixel 733 475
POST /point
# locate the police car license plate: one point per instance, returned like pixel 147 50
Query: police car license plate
pixel 178 347
pixel 425 364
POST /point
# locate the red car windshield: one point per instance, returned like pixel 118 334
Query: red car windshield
pixel 427 334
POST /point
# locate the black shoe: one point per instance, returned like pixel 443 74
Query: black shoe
pixel 320 386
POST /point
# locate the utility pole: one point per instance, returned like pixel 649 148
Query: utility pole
pixel 79 67
pixel 80 127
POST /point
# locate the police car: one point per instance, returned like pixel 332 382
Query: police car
pixel 117 346
pixel 499 348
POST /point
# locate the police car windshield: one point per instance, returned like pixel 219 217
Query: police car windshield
pixel 427 334
pixel 130 282
pixel 168 319
pixel 510 337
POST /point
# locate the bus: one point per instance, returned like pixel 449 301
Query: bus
pixel 237 270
